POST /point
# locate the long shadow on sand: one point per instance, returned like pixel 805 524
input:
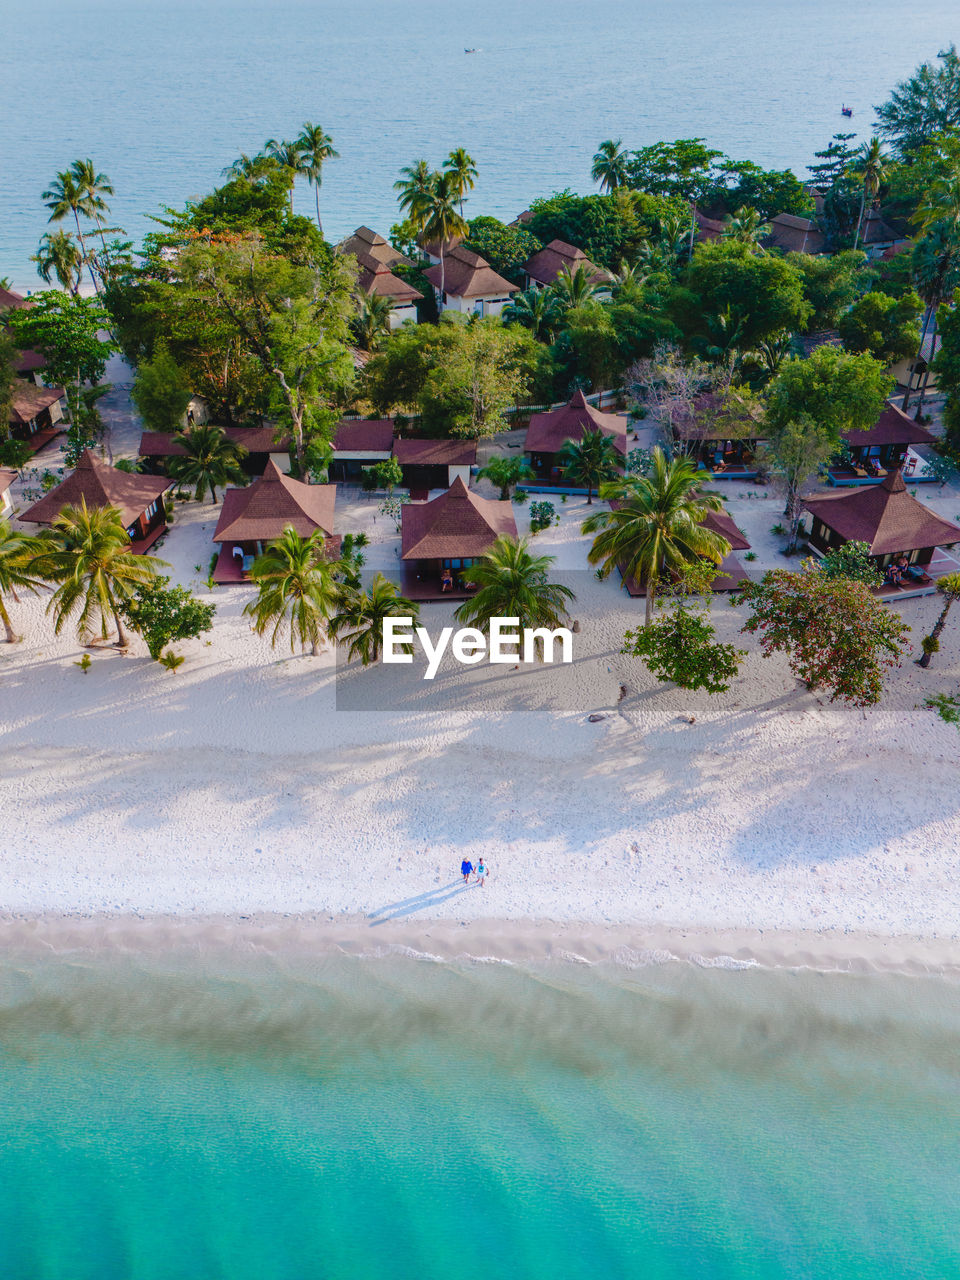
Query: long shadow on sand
pixel 409 906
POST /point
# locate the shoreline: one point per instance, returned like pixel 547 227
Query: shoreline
pixel 512 941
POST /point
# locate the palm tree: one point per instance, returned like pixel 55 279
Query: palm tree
pixel 440 220
pixel 87 552
pixel 65 196
pixel 288 156
pixel 574 288
pixel 464 171
pixel 535 309
pixel 590 461
pixel 936 274
pixel 512 583
pixel 360 615
pixel 412 187
pixel 16 553
pixel 745 227
pixel 870 170
pixel 506 473
pixel 656 525
pixel 211 459
pixel 297 590
pixel 371 324
pixel 96 186
pixel 315 148
pixel 610 165
pixel 58 255
pixel 949 588
pixel 253 168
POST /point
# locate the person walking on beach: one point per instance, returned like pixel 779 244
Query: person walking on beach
pixel 465 869
pixel 481 872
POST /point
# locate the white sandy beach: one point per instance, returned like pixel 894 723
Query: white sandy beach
pixel 237 786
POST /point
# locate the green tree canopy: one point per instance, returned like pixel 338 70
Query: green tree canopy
pixel 505 248
pixel 161 391
pixel 884 327
pixel 830 284
pixel 161 614
pixel 923 106
pixel 67 330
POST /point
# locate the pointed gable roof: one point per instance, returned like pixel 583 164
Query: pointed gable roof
pixel 262 510
pixel 548 432
pixel 885 517
pixel 892 427
pixel 99 485
pixel 546 264
pixel 28 400
pixel 457 524
pixel 375 277
pixel 373 245
pixel 467 275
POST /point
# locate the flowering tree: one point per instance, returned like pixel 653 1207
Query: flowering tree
pixel 838 635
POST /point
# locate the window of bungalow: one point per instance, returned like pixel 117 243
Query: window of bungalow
pixel 466 563
pixel 151 510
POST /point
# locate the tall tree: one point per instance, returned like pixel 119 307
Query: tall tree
pixel 86 552
pixel 412 187
pixel 656 525
pixel 58 255
pixel 358 621
pixel 315 148
pixel 211 459
pixel 67 330
pixel 870 169
pixel 17 551
pixel 464 172
pixel 161 390
pixel 288 156
pixel 440 220
pixel 609 166
pixel 590 461
pixel 505 473
pixel 920 108
pixel 512 583
pixel 936 273
pixel 296 590
pixel 64 196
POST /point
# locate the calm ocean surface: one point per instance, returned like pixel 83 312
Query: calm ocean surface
pixel 162 94
pixel 361 1119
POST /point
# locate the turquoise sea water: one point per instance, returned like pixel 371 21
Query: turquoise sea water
pixel 395 1117
pixel 162 94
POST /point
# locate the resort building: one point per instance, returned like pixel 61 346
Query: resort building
pixel 28 365
pixel 261 444
pixel 139 499
pixel 725 458
pixel 375 279
pixel 793 234
pixel 893 524
pixel 434 464
pixel 543 267
pixel 869 455
pixel 35 413
pixel 877 238
pixel 470 284
pixel 7 478
pixel 707 228
pixel 911 370
pixel 256 515
pixel 360 443
pixel 549 432
pixel 372 245
pixel 442 539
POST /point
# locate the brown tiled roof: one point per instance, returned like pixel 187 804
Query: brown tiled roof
pixel 433 246
pixel 795 235
pixel 99 485
pixel 885 517
pixel 375 277
pixel 29 400
pixel 721 522
pixel 7 478
pixel 9 300
pixel 262 510
pixel 456 524
pixel 435 453
pixel 521 219
pixel 707 228
pixel 467 275
pixel 28 361
pixel 876 231
pixel 373 245
pixel 364 435
pixel 160 444
pixel 548 432
pixel 547 263
pixel 892 427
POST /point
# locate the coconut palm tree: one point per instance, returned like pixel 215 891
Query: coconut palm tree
pixel 506 473
pixel 315 148
pixel 656 525
pixel 590 461
pixel 96 186
pixel 371 324
pixel 16 553
pixel 296 590
pixel 610 165
pixel 58 255
pixel 440 221
pixel 745 226
pixel 65 196
pixel 360 615
pixel 870 171
pixel 538 310
pixel 936 274
pixel 287 156
pixel 949 588
pixel 211 459
pixel 464 171
pixel 412 187
pixel 87 553
pixel 574 288
pixel 253 168
pixel 512 583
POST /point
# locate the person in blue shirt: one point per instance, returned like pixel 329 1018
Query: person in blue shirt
pixel 466 869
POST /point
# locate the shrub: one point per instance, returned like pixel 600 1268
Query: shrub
pixel 542 515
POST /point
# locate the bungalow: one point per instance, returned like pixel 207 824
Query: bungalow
pixel 724 457
pixel 911 370
pixel 543 267
pixel 11 301
pixel 891 523
pixel 793 234
pixel 360 443
pixel 139 499
pixel 881 448
pixel 7 478
pixel 707 229
pixel 548 432
pixel 367 242
pixel 470 284
pixel 375 279
pixel 731 573
pixel 876 237
pixel 434 464
pixel 440 541
pixel 28 364
pixel 35 412
pixel 261 444
pixel 256 515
